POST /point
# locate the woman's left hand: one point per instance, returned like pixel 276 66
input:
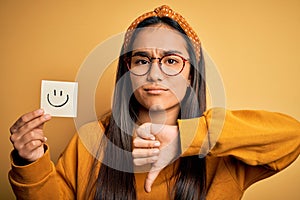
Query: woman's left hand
pixel 155 144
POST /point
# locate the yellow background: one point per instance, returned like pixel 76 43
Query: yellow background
pixel 254 43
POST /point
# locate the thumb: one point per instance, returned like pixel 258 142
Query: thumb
pixel 156 128
pixel 152 175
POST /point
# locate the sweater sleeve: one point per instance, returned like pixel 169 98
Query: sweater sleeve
pixel 67 180
pixel 253 137
pixel 35 180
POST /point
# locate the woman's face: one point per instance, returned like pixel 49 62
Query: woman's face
pixel 155 90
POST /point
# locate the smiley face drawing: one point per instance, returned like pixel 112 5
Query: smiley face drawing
pixel 57 100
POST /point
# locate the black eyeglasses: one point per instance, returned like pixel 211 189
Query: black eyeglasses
pixel 169 64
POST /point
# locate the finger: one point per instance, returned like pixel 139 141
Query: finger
pixel 29 147
pixel 34 124
pixel 144 153
pixel 152 175
pixel 29 143
pixel 144 161
pixel 20 142
pixel 144 131
pixel 156 128
pixel 142 143
pixel 163 129
pixel 26 118
pixel 34 144
pixel 32 150
pixel 36 134
pixel 41 126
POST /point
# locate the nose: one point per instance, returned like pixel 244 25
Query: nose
pixel 155 74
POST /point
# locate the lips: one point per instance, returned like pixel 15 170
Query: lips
pixel 155 89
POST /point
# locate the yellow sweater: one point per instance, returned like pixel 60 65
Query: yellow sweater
pixel 245 148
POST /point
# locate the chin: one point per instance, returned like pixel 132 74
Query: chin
pixel 157 107
pixel 160 106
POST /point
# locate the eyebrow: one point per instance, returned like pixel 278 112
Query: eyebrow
pixel 141 53
pixel 147 53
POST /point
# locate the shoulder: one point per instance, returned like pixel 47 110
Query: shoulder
pixel 89 136
pixel 92 129
pixel 86 141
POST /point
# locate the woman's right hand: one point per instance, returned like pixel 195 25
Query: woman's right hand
pixel 27 135
pixel 155 144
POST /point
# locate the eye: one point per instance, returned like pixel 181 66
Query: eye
pixel 171 60
pixel 139 60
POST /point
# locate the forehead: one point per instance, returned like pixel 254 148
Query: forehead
pixel 160 37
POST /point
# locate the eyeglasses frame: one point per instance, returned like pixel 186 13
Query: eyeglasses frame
pixel 128 60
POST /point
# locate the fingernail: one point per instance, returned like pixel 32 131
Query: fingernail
pixel 40 111
pixel 47 116
pixel 157 144
pixel 155 150
pixel 148 189
pixel 152 137
pixel 45 139
pixel 13 130
pixel 154 159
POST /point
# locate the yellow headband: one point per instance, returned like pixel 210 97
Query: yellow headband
pixel 166 11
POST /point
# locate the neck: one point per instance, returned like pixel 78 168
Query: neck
pixel 159 116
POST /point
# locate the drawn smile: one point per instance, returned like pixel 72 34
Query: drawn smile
pixel 57 105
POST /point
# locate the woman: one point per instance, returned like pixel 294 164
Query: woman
pixel 158 142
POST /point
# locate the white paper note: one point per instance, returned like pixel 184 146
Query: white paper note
pixel 59 98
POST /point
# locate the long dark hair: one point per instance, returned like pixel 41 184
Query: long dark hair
pixel 116 175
